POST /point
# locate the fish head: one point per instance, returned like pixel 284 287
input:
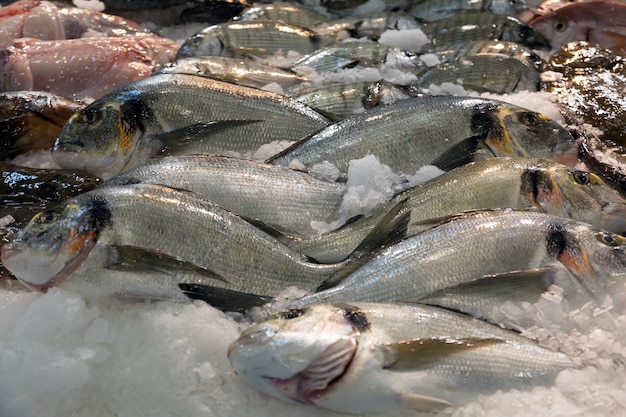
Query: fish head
pixel 102 137
pixel 558 28
pixel 595 257
pixel 528 133
pixel 576 194
pixel 54 243
pixel 207 42
pixel 298 354
pixel 514 30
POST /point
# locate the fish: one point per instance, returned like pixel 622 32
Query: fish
pixel 30 120
pixel 213 12
pixel 234 70
pixel 26 191
pixel 292 13
pixel 599 22
pixel 66 67
pixel 339 100
pixel 282 198
pixel 482 26
pixel 173 114
pixel 253 38
pixel 483 73
pixel 430 10
pixel 444 131
pixel 371 26
pixel 516 183
pixel 476 261
pixel 142 240
pixel 364 54
pixel 379 357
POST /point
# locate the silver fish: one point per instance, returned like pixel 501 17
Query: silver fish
pixel 480 26
pixel 351 54
pixel 177 114
pixel 483 73
pixel 283 198
pixel 369 358
pixel 516 183
pixel 292 13
pixel 371 26
pixel 143 240
pixel 477 261
pixel 429 10
pixel 441 130
pixel 234 70
pixel 256 38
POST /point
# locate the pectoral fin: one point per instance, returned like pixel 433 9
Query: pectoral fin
pixel 222 298
pixel 417 353
pixel 140 260
pixel 178 140
pixel 515 286
pixel 460 154
pixel 424 402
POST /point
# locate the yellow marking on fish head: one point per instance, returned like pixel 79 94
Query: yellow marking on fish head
pixel 129 130
pixel 498 137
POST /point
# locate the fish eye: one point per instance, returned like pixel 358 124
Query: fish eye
pixel 89 117
pixel 290 314
pixel 47 217
pixel 610 239
pixel 560 25
pixel 529 118
pixel 584 178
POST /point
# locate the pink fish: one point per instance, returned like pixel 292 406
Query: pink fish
pixel 83 68
pixel 49 21
pixel 599 22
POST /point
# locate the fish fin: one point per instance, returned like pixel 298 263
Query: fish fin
pixel 417 353
pixel 177 140
pixel 392 227
pixel 222 298
pixel 459 154
pixel 140 260
pixel 516 286
pixel 424 402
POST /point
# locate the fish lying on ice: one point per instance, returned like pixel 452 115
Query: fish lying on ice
pixel 177 114
pixel 445 131
pixel 279 197
pixel 143 240
pixel 370 358
pixel 517 183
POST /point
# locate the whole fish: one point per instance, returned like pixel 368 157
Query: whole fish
pixel 370 358
pixel 516 183
pixel 255 38
pixel 234 70
pixel 599 22
pixel 346 99
pixel 429 10
pixel 365 54
pixel 143 240
pixel 484 73
pixel 444 131
pixel 292 13
pixel 477 261
pixel 283 198
pixel 481 26
pixel 177 114
pixel 511 49
pixel 30 120
pixel 66 67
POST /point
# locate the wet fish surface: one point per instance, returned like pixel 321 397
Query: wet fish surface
pixel 134 241
pixel 177 114
pixel 444 131
pixel 367 358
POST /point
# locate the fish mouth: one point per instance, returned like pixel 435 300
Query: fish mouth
pixel 13 249
pixel 321 375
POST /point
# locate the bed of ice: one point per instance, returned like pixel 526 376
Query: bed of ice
pixel 63 356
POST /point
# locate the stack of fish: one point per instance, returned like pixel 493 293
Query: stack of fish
pixel 185 211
